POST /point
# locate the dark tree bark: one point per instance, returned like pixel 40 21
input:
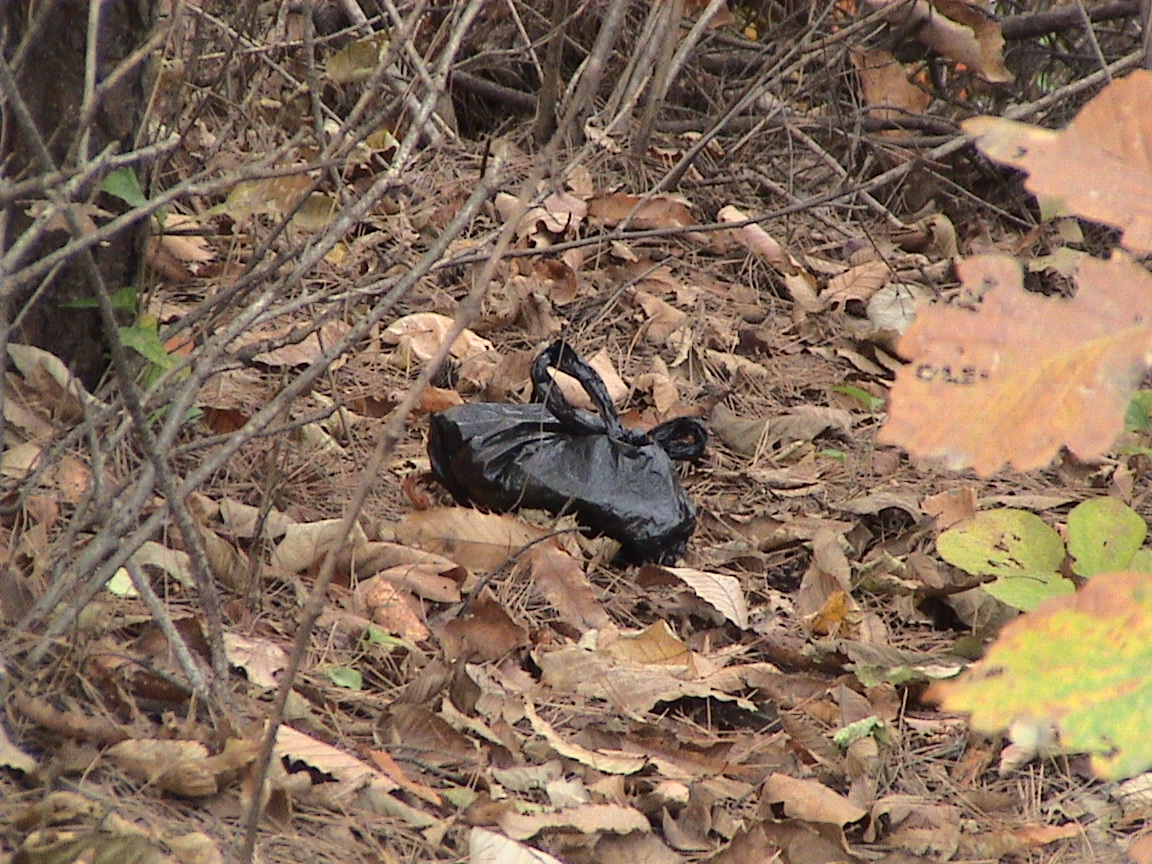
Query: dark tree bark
pixel 44 49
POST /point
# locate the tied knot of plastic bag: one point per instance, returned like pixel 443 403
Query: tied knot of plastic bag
pixel 550 455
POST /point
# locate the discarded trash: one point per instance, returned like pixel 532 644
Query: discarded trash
pixel 549 455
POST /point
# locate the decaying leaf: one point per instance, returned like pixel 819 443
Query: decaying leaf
pixel 1024 374
pixel 1100 166
pixel 1080 661
pixel 487 632
pixel 421 334
pixel 810 800
pixel 885 85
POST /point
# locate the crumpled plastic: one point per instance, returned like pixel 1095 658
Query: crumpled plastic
pixel 550 455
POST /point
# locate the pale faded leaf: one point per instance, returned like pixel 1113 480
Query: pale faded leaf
pixel 488 847
pixel 722 593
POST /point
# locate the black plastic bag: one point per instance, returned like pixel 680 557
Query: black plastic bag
pixel 550 455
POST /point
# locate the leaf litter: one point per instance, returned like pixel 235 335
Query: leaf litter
pixel 524 699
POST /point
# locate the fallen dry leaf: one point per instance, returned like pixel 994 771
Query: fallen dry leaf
pixel 561 580
pixel 487 632
pixel 421 334
pixel 1024 374
pixel 589 819
pixel 655 211
pixel 885 85
pixel 722 593
pixel 959 30
pixel 260 659
pixel 474 540
pixel 810 800
pixel 488 847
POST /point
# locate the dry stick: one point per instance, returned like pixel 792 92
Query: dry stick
pixel 662 76
pixel 638 71
pixel 591 71
pixel 545 123
pixel 1090 32
pixel 1062 17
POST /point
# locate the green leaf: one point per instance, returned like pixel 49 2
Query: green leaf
pixel 843 738
pixel 1029 588
pixel 344 676
pixel 1019 548
pixel 1001 542
pixel 144 339
pixel 123 184
pixel 123 300
pixel 833 453
pixel 872 403
pixel 1104 534
pixel 1080 662
pixel 1139 414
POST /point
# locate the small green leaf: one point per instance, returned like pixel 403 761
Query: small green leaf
pixel 344 676
pixel 843 738
pixel 1139 414
pixel 1104 534
pixel 872 403
pixel 123 300
pixel 123 184
pixel 833 453
pixel 144 339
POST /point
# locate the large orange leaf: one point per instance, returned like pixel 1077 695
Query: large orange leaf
pixel 1100 166
pixel 1024 374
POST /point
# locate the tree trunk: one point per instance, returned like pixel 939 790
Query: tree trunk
pixel 44 47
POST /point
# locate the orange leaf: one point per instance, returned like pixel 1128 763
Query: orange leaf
pixel 1024 374
pixel 1100 166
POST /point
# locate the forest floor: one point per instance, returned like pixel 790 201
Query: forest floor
pixel 463 698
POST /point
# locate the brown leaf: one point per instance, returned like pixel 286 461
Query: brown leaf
pixel 475 540
pixel 391 607
pixel 663 319
pixel 421 333
pixel 560 578
pixel 751 435
pixel 1100 166
pixel 957 29
pixel 810 800
pixel 856 283
pixel 655 211
pixel 487 632
pixel 722 593
pixel 1024 374
pixel 885 84
pixel 950 507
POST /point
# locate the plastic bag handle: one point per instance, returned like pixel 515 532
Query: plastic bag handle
pixel 682 438
pixel 562 357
